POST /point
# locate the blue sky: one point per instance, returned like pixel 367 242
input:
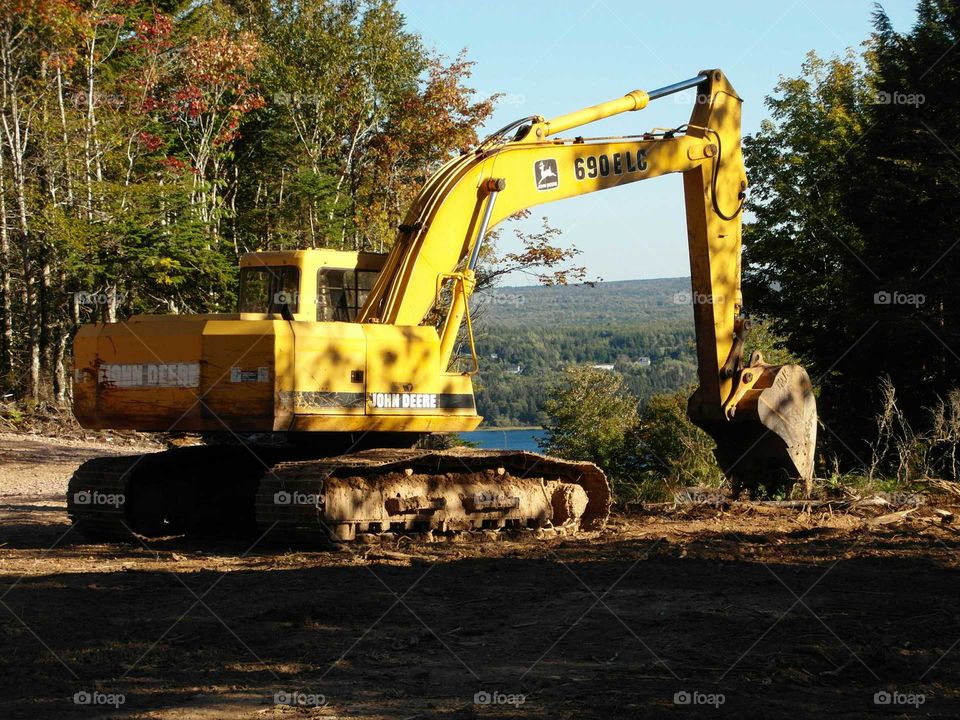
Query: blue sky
pixel 555 57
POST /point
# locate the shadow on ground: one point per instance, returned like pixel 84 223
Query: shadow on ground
pixel 610 628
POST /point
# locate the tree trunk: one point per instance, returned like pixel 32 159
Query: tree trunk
pixel 91 161
pixel 67 178
pixel 44 302
pixel 61 385
pixel 29 293
pixel 111 305
pixel 6 305
pixel 45 196
pixel 17 142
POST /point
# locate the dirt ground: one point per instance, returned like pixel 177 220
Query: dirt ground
pixel 752 612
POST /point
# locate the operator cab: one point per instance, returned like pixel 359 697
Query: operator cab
pixel 307 285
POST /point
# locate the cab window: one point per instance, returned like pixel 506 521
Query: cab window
pixel 265 289
pixel 341 293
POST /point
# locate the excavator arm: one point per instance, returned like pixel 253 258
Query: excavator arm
pixel 762 417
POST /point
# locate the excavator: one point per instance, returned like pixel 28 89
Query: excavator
pixel 338 364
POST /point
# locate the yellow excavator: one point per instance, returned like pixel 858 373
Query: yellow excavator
pixel 338 363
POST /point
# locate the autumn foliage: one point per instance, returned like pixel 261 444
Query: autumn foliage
pixel 145 145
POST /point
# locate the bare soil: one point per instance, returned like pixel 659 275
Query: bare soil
pixel 777 612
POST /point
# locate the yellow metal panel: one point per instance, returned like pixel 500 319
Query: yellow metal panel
pixel 238 373
pixel 330 368
pixel 404 375
pixel 132 371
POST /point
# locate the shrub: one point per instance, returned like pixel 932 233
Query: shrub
pixel 593 416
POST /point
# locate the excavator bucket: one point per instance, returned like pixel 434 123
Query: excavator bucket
pixel 767 440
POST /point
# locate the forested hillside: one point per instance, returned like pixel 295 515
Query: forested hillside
pixel 527 335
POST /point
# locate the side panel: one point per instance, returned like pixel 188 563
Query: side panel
pixel 186 373
pixel 404 378
pixel 239 373
pixel 139 375
pixel 85 375
pixel 191 373
pixel 330 370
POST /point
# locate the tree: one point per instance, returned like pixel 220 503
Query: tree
pixel 29 30
pixel 904 209
pixel 850 251
pixel 359 115
pixel 591 414
pixel 208 95
pixel 801 254
pixel 671 449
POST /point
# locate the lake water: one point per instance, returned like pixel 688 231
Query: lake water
pixel 505 439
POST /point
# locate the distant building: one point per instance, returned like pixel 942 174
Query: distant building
pixel 644 362
pixel 494 356
pixel 603 366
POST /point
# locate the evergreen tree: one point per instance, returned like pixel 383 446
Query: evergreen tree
pixel 851 247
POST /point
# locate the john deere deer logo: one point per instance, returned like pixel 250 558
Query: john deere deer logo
pixel 545 173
